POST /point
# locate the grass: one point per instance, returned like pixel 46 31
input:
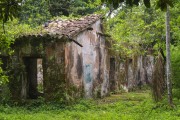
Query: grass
pixel 125 106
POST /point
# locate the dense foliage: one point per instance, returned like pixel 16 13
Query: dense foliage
pixel 34 12
pixel 159 3
pixel 9 9
pixel 176 70
pixel 137 30
pixel 39 11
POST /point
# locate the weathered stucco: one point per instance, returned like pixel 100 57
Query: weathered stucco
pixel 87 66
pixel 24 68
pixel 54 71
pixel 134 72
pixel 70 69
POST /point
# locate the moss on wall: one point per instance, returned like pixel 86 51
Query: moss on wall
pixel 52 52
pixel 16 74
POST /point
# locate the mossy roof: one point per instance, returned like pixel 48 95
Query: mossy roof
pixel 70 27
pixel 58 29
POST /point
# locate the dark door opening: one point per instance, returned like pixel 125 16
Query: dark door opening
pixel 34 74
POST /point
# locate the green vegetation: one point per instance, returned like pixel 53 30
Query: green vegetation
pixel 125 106
pixel 3 77
pixel 40 11
pixel 176 70
pixel 136 31
pixel 162 4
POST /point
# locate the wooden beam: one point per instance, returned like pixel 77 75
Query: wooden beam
pixel 73 41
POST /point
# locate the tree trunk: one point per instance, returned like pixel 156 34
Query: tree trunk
pixel 168 62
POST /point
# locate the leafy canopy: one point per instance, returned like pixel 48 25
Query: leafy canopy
pixel 9 9
pixel 162 4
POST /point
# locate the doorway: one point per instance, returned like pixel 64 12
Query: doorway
pixel 34 76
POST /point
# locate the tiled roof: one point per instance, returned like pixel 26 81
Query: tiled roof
pixel 60 30
pixel 70 27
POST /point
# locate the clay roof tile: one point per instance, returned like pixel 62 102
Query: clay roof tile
pixel 71 27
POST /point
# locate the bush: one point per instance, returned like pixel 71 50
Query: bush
pixel 5 94
pixel 175 60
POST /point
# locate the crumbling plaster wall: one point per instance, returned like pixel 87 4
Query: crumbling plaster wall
pixel 87 67
pixel 24 50
pixel 53 56
pixel 134 72
pixel 68 69
pixel 55 83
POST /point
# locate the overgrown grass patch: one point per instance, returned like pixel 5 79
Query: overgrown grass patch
pixel 125 106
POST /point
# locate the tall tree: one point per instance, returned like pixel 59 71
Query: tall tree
pixel 168 61
pixel 8 10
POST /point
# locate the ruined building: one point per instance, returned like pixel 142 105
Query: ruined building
pixel 74 57
pixel 70 59
pixel 132 72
